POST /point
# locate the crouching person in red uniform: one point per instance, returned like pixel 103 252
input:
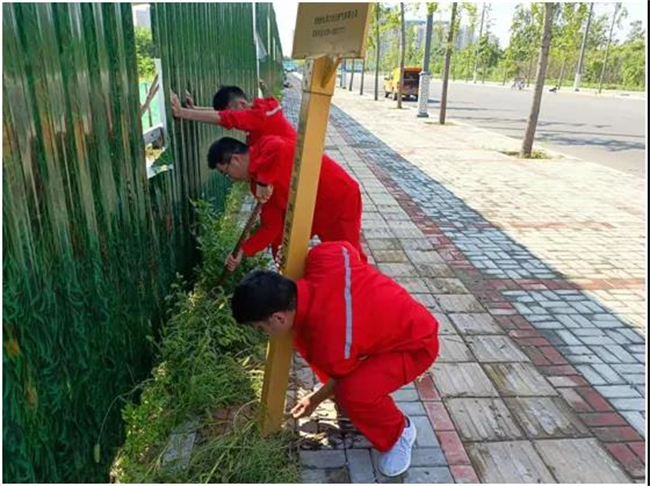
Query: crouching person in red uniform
pixel 362 334
pixel 267 165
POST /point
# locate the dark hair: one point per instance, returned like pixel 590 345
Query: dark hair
pixel 222 150
pixel 260 294
pixel 222 97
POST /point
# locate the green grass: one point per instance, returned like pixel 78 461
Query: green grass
pixel 209 374
pixel 535 154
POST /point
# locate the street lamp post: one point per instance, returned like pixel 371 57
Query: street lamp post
pixel 425 76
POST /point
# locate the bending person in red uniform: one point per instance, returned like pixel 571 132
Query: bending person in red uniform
pixel 362 334
pixel 267 165
pixel 231 109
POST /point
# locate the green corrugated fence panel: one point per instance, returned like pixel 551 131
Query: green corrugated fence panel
pixel 91 245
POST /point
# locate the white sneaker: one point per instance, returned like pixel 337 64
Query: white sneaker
pixel 398 459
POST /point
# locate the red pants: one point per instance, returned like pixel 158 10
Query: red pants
pixel 347 227
pixel 364 394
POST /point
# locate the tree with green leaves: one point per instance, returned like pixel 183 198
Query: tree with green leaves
pixel 524 37
pixel 400 87
pixel 531 127
pixel 566 35
pixel 144 53
pixel 445 74
pixel 618 15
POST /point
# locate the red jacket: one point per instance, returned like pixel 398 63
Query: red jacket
pixel 347 310
pixel 264 118
pixel 271 162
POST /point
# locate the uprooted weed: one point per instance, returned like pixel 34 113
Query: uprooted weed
pixel 208 380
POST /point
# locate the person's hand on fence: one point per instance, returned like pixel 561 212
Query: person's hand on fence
pixel 233 261
pixel 189 101
pixel 263 193
pixel 175 103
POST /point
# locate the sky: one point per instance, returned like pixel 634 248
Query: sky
pixel 501 16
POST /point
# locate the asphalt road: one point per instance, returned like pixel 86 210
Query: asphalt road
pixel 604 129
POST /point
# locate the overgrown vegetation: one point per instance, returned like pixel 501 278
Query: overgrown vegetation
pixel 144 53
pixel 207 380
pixel 535 154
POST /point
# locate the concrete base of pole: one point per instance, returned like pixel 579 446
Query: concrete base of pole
pixel 423 94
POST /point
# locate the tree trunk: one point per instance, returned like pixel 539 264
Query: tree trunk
pixel 354 65
pixel 478 44
pixel 445 73
pixel 400 88
pixel 561 78
pixel 529 137
pixel 363 75
pixel 378 48
pixel 583 48
pixel 609 41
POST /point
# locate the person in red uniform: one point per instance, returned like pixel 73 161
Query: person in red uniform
pixel 232 110
pixel 267 165
pixel 362 334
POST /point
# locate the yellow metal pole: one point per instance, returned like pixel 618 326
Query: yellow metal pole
pixel 317 90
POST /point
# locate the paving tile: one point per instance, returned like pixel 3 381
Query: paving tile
pixel 405 395
pixel 453 448
pixel 322 459
pixel 422 256
pixel 636 420
pixel 482 323
pixel 464 474
pixel 579 461
pixel 462 380
pixel 324 476
pixel 445 326
pixel 446 286
pixel 488 349
pixel 425 435
pixel 518 379
pixel 546 417
pixel 415 285
pixel 618 391
pixel 427 456
pixel 411 408
pixel 428 475
pixel 379 476
pixel 459 303
pixel 453 349
pixel 509 462
pixel 389 256
pixel 480 419
pixel 434 270
pixel 360 466
pixel 632 404
pixel 383 244
pixel 397 269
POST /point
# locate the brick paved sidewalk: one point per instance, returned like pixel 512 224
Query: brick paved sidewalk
pixel 535 271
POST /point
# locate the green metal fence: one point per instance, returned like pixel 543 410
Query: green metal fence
pixel 90 244
pixel 271 71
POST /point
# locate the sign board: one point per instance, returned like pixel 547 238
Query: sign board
pixel 331 29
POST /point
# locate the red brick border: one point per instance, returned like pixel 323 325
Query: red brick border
pixel 608 426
